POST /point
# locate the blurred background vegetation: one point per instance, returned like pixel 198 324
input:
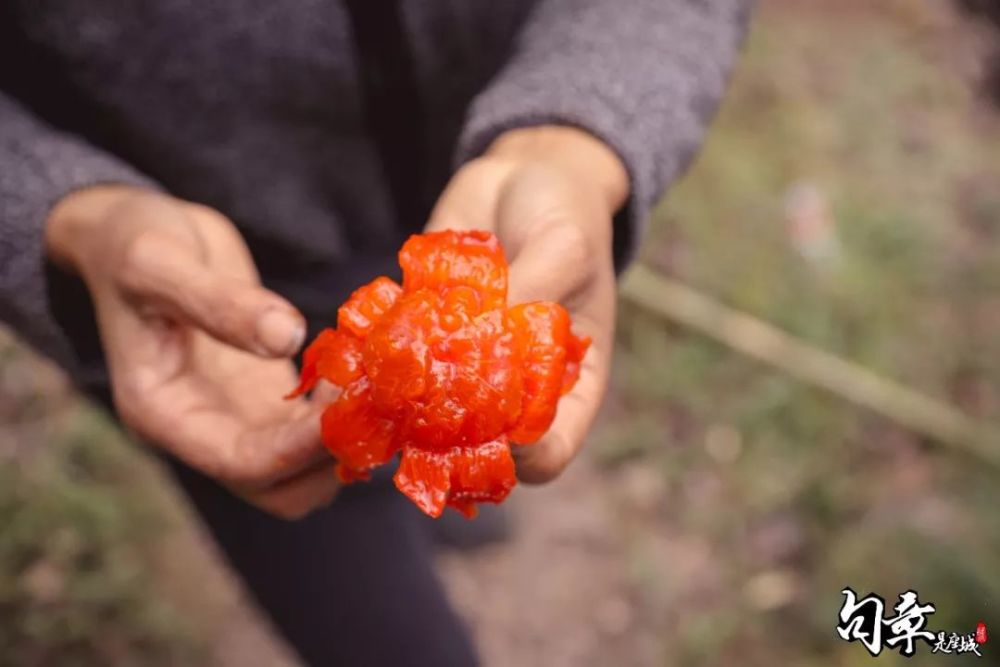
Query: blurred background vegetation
pixel 850 194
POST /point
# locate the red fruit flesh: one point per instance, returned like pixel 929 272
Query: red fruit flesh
pixel 442 371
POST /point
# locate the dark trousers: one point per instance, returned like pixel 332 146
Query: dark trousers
pixel 353 584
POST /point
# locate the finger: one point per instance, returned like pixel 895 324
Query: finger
pixel 471 197
pixel 325 393
pixel 547 458
pixel 261 457
pixel 295 498
pixel 142 353
pixel 555 265
pixel 166 271
pixel 550 258
pixel 221 444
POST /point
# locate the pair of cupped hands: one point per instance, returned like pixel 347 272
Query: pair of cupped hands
pixel 200 353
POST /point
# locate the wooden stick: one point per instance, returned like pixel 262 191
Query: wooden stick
pixel 755 338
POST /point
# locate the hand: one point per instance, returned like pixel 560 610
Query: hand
pixel 549 194
pixel 197 350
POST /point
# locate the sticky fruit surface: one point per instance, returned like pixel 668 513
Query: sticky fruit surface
pixel 442 372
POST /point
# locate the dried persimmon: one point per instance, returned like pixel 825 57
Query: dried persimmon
pixel 443 372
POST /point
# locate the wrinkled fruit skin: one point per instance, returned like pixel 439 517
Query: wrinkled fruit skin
pixel 441 371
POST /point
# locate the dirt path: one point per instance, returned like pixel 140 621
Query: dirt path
pixel 558 594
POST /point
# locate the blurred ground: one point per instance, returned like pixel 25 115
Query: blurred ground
pixel 850 193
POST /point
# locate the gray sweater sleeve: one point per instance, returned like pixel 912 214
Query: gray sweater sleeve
pixel 645 76
pixel 38 166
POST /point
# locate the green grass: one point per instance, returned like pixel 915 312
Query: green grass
pixel 864 110
pixel 77 547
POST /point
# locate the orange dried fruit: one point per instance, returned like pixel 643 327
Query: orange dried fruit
pixel 441 371
pixel 333 356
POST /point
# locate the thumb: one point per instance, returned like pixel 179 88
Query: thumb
pixel 168 273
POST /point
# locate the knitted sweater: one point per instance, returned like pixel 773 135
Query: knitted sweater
pixel 325 129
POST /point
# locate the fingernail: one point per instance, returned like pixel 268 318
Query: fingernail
pixel 280 332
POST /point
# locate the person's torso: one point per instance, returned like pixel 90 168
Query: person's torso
pixel 305 122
